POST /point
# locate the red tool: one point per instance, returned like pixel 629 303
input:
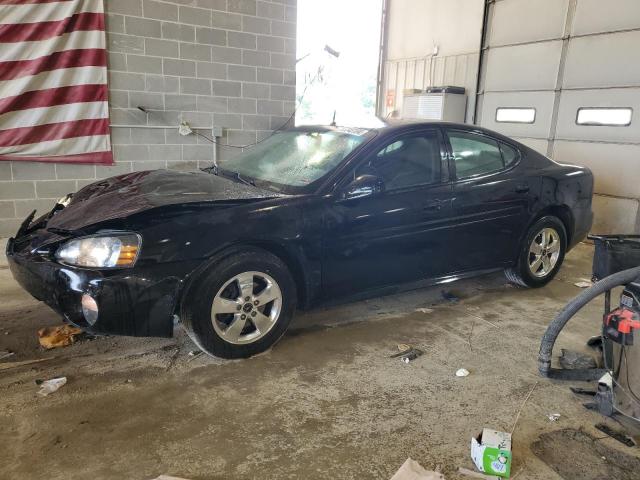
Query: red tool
pixel 620 324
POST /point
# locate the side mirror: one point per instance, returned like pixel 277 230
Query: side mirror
pixel 363 186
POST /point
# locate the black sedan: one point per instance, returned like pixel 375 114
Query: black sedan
pixel 309 216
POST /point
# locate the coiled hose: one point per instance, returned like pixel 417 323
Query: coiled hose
pixel 555 327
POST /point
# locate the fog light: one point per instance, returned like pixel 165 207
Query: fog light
pixel 89 309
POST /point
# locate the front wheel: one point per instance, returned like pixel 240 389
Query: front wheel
pixel 541 254
pixel 241 306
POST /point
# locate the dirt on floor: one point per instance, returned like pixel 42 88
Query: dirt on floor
pixel 326 403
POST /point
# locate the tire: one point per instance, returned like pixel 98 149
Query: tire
pixel 528 271
pixel 226 293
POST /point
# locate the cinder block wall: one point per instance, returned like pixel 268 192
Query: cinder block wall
pixel 228 63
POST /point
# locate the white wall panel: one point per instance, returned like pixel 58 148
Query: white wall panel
pixel 601 68
pixel 603 61
pixel 537 144
pixel 615 167
pixel 519 21
pixel 571 100
pixel 523 67
pixel 541 101
pixel 596 16
pixel 614 215
pixel 415 26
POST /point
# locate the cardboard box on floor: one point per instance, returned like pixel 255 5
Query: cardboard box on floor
pixel 491 452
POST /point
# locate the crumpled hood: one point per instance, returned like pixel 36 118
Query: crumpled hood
pixel 121 196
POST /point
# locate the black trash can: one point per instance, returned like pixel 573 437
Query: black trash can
pixel 614 253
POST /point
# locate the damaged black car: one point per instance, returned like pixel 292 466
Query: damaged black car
pixel 310 216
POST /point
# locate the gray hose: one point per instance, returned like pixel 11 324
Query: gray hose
pixel 555 327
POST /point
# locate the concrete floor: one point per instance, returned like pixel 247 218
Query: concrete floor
pixel 327 402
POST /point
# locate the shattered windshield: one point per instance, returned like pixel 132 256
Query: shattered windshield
pixel 294 158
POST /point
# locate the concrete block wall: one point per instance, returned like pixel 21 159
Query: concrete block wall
pixel 223 63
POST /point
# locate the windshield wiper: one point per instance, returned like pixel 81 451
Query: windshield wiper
pixel 212 169
pixel 229 173
pixel 239 178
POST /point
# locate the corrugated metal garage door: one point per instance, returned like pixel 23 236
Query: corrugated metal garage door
pixel 560 56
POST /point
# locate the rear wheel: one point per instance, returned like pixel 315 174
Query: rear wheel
pixel 241 306
pixel 541 254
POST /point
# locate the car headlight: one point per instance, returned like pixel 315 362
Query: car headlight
pixel 101 251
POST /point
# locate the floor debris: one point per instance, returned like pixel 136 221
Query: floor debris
pixel 570 359
pixel 407 353
pixel 583 283
pixel 462 372
pixel 424 310
pixel 491 452
pixel 48 387
pixel 60 336
pixel 5 354
pixel 412 470
pixel 620 437
pixel 554 417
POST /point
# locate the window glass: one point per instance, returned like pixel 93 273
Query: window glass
pixel 413 160
pixel 474 154
pixel 509 154
pixel 294 158
pixel 614 117
pixel 515 115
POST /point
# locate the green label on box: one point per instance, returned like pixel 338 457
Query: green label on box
pixel 497 462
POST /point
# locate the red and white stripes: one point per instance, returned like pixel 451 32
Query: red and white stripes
pixel 53 81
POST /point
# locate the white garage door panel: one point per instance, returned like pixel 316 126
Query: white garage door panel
pixel 614 215
pixel 595 16
pixel 523 67
pixel 535 143
pixel 613 166
pixel 541 101
pixel 571 100
pixel 603 61
pixel 519 21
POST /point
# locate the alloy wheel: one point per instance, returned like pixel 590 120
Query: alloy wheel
pixel 246 308
pixel 544 252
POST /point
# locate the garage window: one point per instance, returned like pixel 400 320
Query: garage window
pixel 515 115
pixel 602 116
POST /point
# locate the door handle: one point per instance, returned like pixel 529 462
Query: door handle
pixel 522 188
pixel 433 205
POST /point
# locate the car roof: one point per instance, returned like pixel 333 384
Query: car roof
pixel 397 126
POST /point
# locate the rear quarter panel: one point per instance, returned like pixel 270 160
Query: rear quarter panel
pixel 569 187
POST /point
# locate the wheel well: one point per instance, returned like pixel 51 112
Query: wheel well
pixel 279 251
pixel 292 263
pixel 564 214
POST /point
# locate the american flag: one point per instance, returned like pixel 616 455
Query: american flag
pixel 53 82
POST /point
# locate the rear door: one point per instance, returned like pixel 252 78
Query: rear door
pixel 400 234
pixel 493 198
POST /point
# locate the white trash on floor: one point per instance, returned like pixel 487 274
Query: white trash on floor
pixel 49 386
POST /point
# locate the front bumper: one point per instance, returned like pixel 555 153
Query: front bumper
pixel 139 301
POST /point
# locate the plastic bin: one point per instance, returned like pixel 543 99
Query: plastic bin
pixel 614 253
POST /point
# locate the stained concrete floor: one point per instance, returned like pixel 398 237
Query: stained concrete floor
pixel 326 403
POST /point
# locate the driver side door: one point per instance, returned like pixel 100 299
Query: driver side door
pixel 397 235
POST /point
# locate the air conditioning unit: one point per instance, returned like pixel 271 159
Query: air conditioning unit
pixel 447 104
